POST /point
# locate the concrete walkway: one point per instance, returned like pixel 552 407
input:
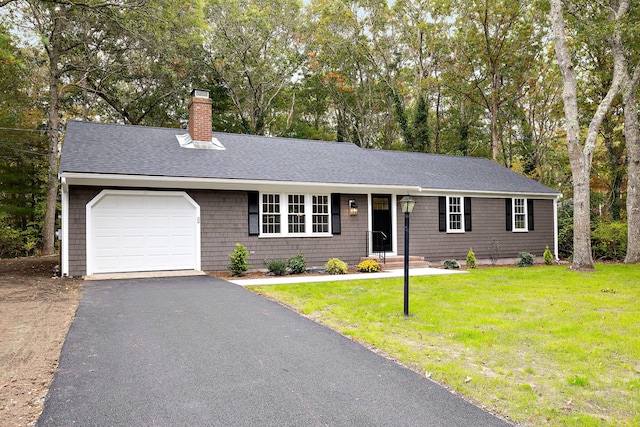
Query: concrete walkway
pixel 199 351
pixel 276 280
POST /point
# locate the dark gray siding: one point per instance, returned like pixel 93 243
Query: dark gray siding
pixel 488 223
pixel 224 222
pixel 78 199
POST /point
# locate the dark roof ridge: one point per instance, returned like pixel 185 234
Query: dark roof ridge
pixel 286 138
pixel 125 125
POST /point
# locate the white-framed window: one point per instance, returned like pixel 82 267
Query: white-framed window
pixel 519 214
pixel 295 214
pixel 270 217
pixel 296 218
pixel 455 214
pixel 320 216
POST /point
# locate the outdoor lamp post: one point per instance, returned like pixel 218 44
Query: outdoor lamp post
pixel 406 205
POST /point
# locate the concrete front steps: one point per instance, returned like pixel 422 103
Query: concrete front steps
pixel 394 262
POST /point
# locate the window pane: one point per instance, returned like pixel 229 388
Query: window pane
pixel 320 218
pixel 455 213
pixel 519 214
pixel 271 213
pixel 296 213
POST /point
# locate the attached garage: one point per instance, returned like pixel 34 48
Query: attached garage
pixel 134 231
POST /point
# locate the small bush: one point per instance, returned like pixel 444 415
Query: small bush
pixel 369 266
pixel 335 266
pixel 526 259
pixel 297 264
pixel 494 251
pixel 471 259
pixel 451 264
pixel 239 261
pixel 277 267
pixel 547 256
pixel 609 240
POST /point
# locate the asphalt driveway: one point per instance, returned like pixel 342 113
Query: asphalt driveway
pixel 200 351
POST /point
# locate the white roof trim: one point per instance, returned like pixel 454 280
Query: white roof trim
pixel 74 178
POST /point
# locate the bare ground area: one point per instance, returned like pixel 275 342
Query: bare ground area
pixel 36 311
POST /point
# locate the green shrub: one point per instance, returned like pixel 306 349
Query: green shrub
pixel 11 242
pixel 547 256
pixel 277 267
pixel 526 259
pixel 609 240
pixel 335 266
pixel 451 264
pixel 471 259
pixel 239 261
pixel 369 266
pixel 297 264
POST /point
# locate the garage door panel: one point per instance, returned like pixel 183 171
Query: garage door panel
pixel 143 232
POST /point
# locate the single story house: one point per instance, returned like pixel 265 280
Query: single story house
pixel 138 198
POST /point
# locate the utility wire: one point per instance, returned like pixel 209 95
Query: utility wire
pixel 26 130
pixel 24 151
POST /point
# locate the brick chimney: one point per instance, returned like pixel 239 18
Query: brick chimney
pixel 200 115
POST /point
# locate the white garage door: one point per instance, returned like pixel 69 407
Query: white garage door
pixel 142 231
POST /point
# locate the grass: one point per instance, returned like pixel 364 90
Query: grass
pixel 540 345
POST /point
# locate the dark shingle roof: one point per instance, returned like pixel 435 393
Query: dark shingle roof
pixel 97 148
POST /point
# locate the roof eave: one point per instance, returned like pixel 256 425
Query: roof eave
pixel 99 179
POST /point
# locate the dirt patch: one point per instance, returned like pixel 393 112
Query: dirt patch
pixel 36 310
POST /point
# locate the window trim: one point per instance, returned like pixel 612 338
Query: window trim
pixel 525 204
pixel 449 213
pixel 308 215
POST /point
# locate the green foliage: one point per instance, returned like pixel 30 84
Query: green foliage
pixel 609 240
pixel 369 266
pixel 547 256
pixel 11 242
pixel 277 267
pixel 239 260
pixel 335 266
pixel 421 126
pixel 297 264
pixel 471 259
pixel 565 232
pixel 525 259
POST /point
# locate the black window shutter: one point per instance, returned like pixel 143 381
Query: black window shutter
pixel 442 213
pixel 335 213
pixel 530 214
pixel 508 214
pixel 254 213
pixel 467 214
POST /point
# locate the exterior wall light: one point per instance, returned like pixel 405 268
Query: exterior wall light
pixel 353 208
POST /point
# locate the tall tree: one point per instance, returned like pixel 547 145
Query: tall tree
pixel 347 39
pixel 253 51
pixel 581 154
pixel 495 44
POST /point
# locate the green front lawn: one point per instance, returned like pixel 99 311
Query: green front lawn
pixel 541 345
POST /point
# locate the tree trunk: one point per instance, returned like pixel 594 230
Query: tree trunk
pixel 495 108
pixel 53 123
pixel 632 139
pixel 581 157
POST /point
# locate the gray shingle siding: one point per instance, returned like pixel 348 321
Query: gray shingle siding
pixel 488 223
pixel 224 222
